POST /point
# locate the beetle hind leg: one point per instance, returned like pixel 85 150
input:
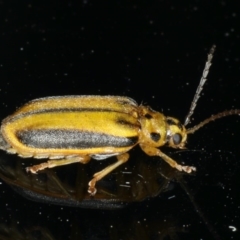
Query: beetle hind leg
pixel 99 175
pixel 57 162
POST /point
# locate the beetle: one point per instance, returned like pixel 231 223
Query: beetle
pixel 70 129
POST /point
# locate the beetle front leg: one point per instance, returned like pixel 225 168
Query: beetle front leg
pixel 151 151
pixel 59 162
pixel 99 175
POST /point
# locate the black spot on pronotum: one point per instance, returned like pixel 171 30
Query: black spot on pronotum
pixel 155 136
pixel 180 126
pixel 148 116
pixel 177 138
pixel 170 121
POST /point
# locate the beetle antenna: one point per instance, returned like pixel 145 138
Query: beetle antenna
pixel 200 86
pixel 213 118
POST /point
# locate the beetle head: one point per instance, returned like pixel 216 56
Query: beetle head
pixel 176 133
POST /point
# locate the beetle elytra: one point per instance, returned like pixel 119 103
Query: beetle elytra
pixel 70 129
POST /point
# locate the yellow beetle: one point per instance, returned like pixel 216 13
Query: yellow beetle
pixel 70 129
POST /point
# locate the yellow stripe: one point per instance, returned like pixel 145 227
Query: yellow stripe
pixel 101 122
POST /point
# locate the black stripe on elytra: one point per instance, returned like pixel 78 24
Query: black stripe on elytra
pixel 71 139
pixel 128 124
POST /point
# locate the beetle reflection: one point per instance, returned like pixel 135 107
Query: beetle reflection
pixel 66 186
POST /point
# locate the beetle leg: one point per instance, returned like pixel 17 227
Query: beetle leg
pixel 59 162
pixel 151 151
pixel 99 175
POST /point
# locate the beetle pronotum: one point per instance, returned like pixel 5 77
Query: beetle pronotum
pixel 72 129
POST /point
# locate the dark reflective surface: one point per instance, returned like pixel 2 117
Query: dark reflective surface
pixel 142 200
pixel 153 52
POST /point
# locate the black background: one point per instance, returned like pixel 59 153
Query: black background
pixel 151 51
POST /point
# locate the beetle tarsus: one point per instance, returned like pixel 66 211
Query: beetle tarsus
pixel 91 189
pixel 31 169
pixel 187 169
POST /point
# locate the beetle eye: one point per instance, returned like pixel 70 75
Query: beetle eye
pixel 177 138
